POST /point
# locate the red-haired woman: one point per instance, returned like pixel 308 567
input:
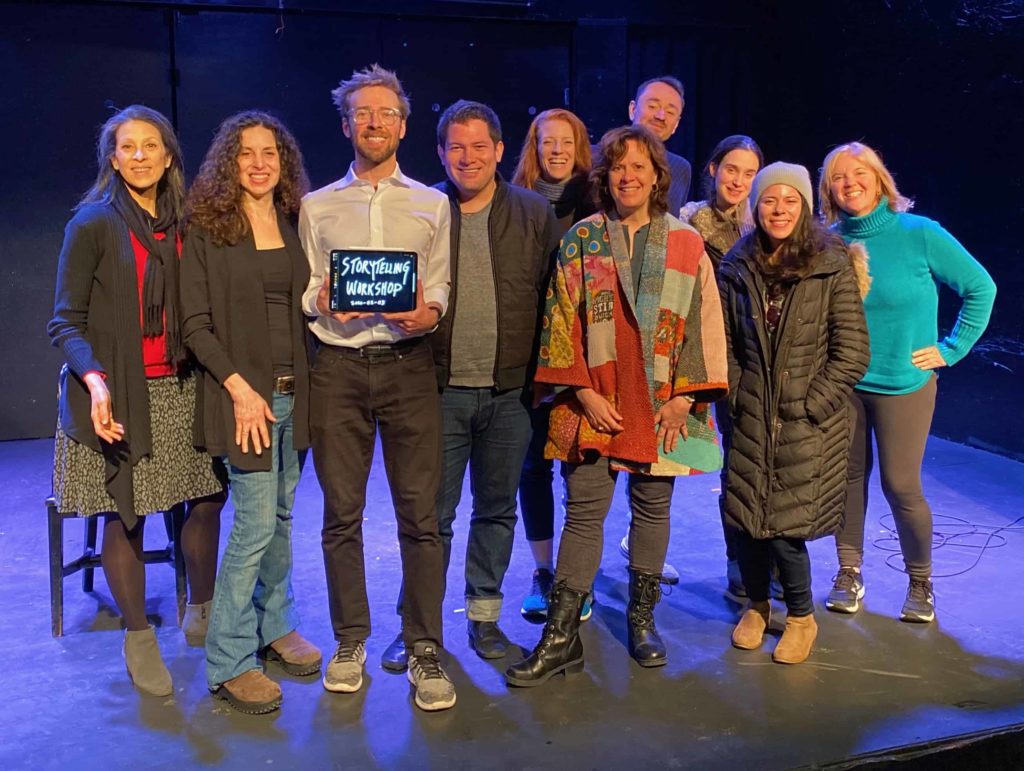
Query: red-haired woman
pixel 555 162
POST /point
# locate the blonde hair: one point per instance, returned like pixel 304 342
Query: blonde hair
pixel 374 75
pixel 528 168
pixel 887 185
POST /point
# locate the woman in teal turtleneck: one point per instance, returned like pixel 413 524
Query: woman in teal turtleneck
pixel 909 257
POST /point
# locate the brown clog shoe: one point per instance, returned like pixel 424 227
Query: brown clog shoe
pixel 252 693
pixel 295 654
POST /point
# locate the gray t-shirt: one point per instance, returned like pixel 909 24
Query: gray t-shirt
pixel 475 324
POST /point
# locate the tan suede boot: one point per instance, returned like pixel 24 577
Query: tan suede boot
pixel 295 654
pixel 797 640
pixel 749 632
pixel 196 622
pixel 145 667
pixel 251 692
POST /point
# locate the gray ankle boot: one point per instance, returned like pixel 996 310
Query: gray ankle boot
pixel 196 622
pixel 145 667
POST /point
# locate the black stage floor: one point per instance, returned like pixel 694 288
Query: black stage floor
pixel 872 683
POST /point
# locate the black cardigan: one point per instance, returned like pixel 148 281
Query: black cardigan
pixel 224 323
pixel 96 296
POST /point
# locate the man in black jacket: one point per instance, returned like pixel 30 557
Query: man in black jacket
pixel 503 241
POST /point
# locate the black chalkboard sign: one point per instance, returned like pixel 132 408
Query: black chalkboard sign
pixel 373 280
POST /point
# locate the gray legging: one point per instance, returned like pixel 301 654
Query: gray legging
pixel 589 487
pixel 900 425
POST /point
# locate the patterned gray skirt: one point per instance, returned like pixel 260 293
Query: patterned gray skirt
pixel 175 472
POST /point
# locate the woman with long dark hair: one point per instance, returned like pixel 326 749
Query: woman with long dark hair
pixel 633 332
pixel 555 161
pixel 123 445
pixel 722 218
pixel 243 275
pixel 894 402
pixel 797 345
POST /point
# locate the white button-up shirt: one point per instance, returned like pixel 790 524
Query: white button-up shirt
pixel 400 213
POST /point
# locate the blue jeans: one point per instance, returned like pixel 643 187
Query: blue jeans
pixel 253 603
pixel 489 432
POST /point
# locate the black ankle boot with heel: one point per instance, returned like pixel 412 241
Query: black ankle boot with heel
pixel 645 644
pixel 560 648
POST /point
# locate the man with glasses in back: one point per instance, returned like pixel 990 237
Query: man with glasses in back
pixel 658 106
pixel 374 371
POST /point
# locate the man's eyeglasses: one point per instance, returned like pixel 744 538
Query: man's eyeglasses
pixel 363 115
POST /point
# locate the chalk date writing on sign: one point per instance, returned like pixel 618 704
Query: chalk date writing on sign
pixel 373 280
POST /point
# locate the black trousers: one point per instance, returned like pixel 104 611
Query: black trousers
pixel 353 396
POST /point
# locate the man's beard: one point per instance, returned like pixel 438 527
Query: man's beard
pixel 376 155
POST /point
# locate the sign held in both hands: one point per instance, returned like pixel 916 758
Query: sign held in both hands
pixel 372 281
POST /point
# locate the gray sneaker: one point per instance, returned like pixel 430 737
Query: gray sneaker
pixel 847 591
pixel 919 607
pixel 345 670
pixel 434 691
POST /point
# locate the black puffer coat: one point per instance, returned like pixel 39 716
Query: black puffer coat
pixel 791 425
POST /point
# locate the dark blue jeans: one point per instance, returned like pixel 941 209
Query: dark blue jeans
pixel 790 557
pixel 488 431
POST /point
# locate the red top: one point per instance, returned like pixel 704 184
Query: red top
pixel 154 349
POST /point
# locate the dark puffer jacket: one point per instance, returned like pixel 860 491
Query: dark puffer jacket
pixel 791 425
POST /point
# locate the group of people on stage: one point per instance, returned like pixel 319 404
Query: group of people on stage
pixel 579 313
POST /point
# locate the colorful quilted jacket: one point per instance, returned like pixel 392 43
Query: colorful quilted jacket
pixel 638 353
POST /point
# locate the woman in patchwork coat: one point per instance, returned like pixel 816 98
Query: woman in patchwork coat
pixel 633 341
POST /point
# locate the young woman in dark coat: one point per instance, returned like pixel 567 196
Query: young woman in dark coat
pixel 797 344
pixel 243 274
pixel 123 445
pixel 722 219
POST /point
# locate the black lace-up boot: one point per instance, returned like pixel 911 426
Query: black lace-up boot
pixel 559 649
pixel 645 643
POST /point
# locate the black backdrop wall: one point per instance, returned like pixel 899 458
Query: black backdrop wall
pixel 936 86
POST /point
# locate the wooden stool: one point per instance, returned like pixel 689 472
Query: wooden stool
pixel 90 558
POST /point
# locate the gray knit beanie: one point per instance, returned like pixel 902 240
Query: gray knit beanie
pixel 779 173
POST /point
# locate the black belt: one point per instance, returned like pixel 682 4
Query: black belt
pixel 285 384
pixel 389 350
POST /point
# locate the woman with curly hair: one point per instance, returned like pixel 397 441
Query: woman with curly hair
pixel 123 445
pixel 633 333
pixel 894 402
pixel 797 345
pixel 243 274
pixel 555 162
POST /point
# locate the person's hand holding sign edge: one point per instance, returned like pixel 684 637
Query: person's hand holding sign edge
pixel 422 319
pixel 323 304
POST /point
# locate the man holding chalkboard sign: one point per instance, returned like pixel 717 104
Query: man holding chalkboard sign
pixel 386 235
pixel 503 241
